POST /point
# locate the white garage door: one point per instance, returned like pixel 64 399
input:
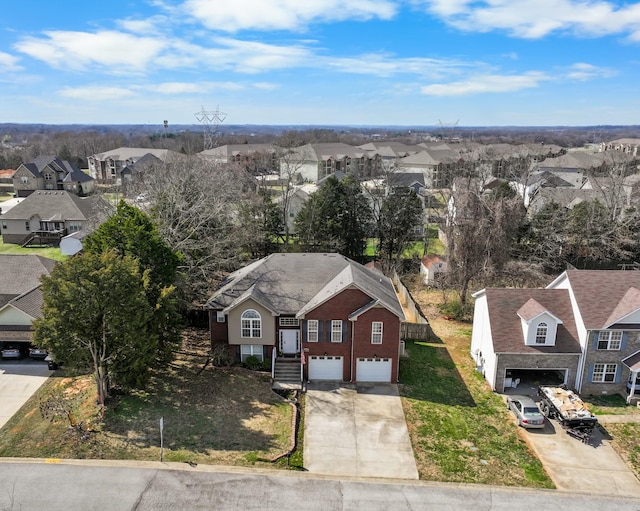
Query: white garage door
pixel 325 368
pixel 373 369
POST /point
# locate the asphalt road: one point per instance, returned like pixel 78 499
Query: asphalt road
pixel 58 486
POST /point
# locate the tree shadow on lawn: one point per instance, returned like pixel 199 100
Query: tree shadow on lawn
pixel 218 409
pixel 429 374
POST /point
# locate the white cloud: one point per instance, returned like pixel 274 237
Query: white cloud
pixel 8 62
pixel 154 25
pixel 284 14
pixel 389 65
pixel 583 72
pixel 265 85
pixel 534 19
pixel 118 51
pixel 487 84
pixel 170 88
pixel 96 93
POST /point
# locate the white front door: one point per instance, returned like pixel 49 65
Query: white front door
pixel 290 341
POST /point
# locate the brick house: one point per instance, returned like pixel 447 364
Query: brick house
pixel 51 173
pixel 583 330
pixel 344 317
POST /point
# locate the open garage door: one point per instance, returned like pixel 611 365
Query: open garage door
pixel 325 368
pixel 526 381
pixel 373 369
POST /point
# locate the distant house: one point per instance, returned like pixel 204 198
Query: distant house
pixel 257 159
pixel 107 167
pixel 20 294
pixel 314 162
pixel 51 173
pixel 344 317
pixel 433 269
pixel 45 217
pixel 582 330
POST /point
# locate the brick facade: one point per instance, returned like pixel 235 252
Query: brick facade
pixel 357 337
pixel 542 361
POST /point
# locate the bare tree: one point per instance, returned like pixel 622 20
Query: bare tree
pixel 195 203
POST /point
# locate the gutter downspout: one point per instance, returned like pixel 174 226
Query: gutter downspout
pixel 351 362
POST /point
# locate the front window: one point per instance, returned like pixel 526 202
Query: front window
pixel 336 330
pixel 248 350
pixel 312 330
pixel 604 373
pixel 541 333
pixel 24 180
pixel 609 340
pixel 27 227
pixel 251 324
pixel 376 332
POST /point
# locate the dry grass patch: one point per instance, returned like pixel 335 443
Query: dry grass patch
pixel 626 441
pixel 211 415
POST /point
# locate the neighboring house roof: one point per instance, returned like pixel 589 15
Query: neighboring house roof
pixel 134 153
pixel 405 179
pixel 506 326
pixel 430 259
pixel 230 150
pixel 632 361
pixel 603 297
pixel 422 158
pixel 148 160
pixel 21 273
pixel 55 205
pixel 547 179
pixel 325 151
pixel 30 302
pixel 297 283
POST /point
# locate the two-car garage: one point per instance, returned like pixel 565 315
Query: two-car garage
pixel 367 369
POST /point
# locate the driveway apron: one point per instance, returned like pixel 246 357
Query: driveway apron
pixel 573 465
pixel 357 431
pixel 18 382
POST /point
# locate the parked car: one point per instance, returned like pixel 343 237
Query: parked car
pixel 13 350
pixel 526 411
pixel 37 353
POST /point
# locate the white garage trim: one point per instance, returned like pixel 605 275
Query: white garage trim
pixel 325 368
pixel 373 369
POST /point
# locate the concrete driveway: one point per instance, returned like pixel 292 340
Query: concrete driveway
pixel 575 466
pixel 357 431
pixel 18 382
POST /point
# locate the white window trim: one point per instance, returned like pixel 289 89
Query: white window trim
pixel 539 339
pixel 220 317
pixel 607 336
pixel 289 322
pixel 605 371
pixel 254 325
pixel 376 336
pixel 315 330
pixel 336 330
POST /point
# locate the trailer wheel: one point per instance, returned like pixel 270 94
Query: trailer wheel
pixel 544 408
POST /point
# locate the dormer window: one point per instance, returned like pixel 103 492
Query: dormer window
pixel 541 333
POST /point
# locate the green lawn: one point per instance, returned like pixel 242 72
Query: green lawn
pixel 49 252
pixel 4 195
pixel 461 432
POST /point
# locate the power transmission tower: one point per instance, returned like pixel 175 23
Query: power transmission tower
pixel 210 120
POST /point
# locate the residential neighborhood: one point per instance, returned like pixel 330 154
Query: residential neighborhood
pixel 306 298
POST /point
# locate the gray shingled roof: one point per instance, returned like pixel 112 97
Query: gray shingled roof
pixel 506 325
pixel 30 302
pixel 291 283
pixel 48 204
pixel 21 273
pixel 600 293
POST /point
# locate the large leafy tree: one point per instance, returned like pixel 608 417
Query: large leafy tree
pixel 401 212
pixel 96 314
pixel 335 218
pixel 130 232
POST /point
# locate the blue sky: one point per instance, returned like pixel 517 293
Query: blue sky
pixel 350 62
